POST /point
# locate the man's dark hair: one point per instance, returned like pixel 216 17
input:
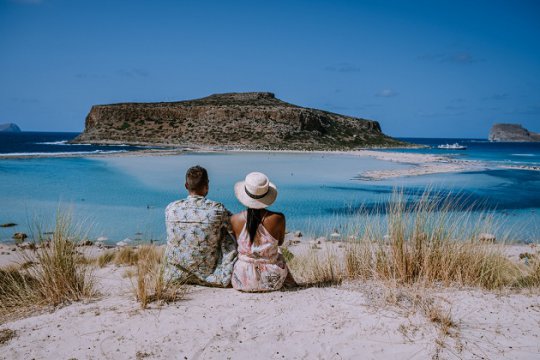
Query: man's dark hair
pixel 196 178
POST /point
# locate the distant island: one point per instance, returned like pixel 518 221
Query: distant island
pixel 9 127
pixel 513 133
pixel 256 120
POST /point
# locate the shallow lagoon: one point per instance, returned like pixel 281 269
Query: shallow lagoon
pixel 118 197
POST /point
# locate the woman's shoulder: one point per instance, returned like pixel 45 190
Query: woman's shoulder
pixel 274 218
pixel 274 214
pixel 237 222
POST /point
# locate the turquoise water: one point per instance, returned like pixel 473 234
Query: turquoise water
pixel 121 197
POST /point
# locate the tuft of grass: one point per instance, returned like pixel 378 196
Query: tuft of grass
pixel 6 335
pixel 432 241
pixel 534 272
pixel 57 273
pixel 287 254
pixel 438 316
pixel 151 254
pixel 105 258
pixel 61 275
pixel 151 285
pixel 17 289
pixel 129 273
pixel 443 319
pixel 317 268
pixel 531 276
pixel 126 256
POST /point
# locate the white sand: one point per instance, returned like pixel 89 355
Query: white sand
pixel 422 164
pixel 350 321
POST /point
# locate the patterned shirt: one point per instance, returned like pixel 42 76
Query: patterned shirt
pixel 199 242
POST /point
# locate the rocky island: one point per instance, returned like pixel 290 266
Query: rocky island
pixel 512 132
pixel 256 120
pixel 9 127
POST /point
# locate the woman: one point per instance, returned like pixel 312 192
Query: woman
pixel 259 232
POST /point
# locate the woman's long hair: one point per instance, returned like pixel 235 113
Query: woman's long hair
pixel 253 219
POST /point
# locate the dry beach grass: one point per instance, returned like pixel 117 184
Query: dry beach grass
pixel 52 274
pixel 55 273
pixel 151 284
pixel 426 243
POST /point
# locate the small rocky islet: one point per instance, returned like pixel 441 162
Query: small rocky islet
pixel 10 127
pixel 512 133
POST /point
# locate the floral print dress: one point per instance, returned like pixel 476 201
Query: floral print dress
pixel 260 266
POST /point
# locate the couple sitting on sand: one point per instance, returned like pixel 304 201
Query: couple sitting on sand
pixel 201 246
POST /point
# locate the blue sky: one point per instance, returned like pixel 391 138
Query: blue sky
pixel 421 68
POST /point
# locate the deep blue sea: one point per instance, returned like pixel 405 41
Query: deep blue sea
pixel 481 149
pixel 124 197
pixel 41 143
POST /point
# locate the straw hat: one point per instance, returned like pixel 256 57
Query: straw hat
pixel 256 191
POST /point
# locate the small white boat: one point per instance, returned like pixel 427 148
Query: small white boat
pixel 124 242
pixel 455 146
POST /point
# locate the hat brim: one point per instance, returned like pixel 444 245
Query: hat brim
pixel 246 200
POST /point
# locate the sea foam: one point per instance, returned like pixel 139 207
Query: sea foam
pixel 61 142
pixel 52 154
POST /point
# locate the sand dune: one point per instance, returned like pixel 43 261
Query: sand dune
pixel 350 321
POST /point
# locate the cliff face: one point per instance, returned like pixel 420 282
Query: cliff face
pixel 512 132
pixel 10 127
pixel 239 120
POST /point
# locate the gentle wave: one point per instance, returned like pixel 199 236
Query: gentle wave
pixel 62 153
pixel 65 142
pixel 61 142
pixel 528 155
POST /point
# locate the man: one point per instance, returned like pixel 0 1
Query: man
pixel 200 248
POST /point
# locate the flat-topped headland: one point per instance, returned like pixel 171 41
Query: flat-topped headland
pixel 255 120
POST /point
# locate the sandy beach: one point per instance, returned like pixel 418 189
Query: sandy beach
pixel 372 320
